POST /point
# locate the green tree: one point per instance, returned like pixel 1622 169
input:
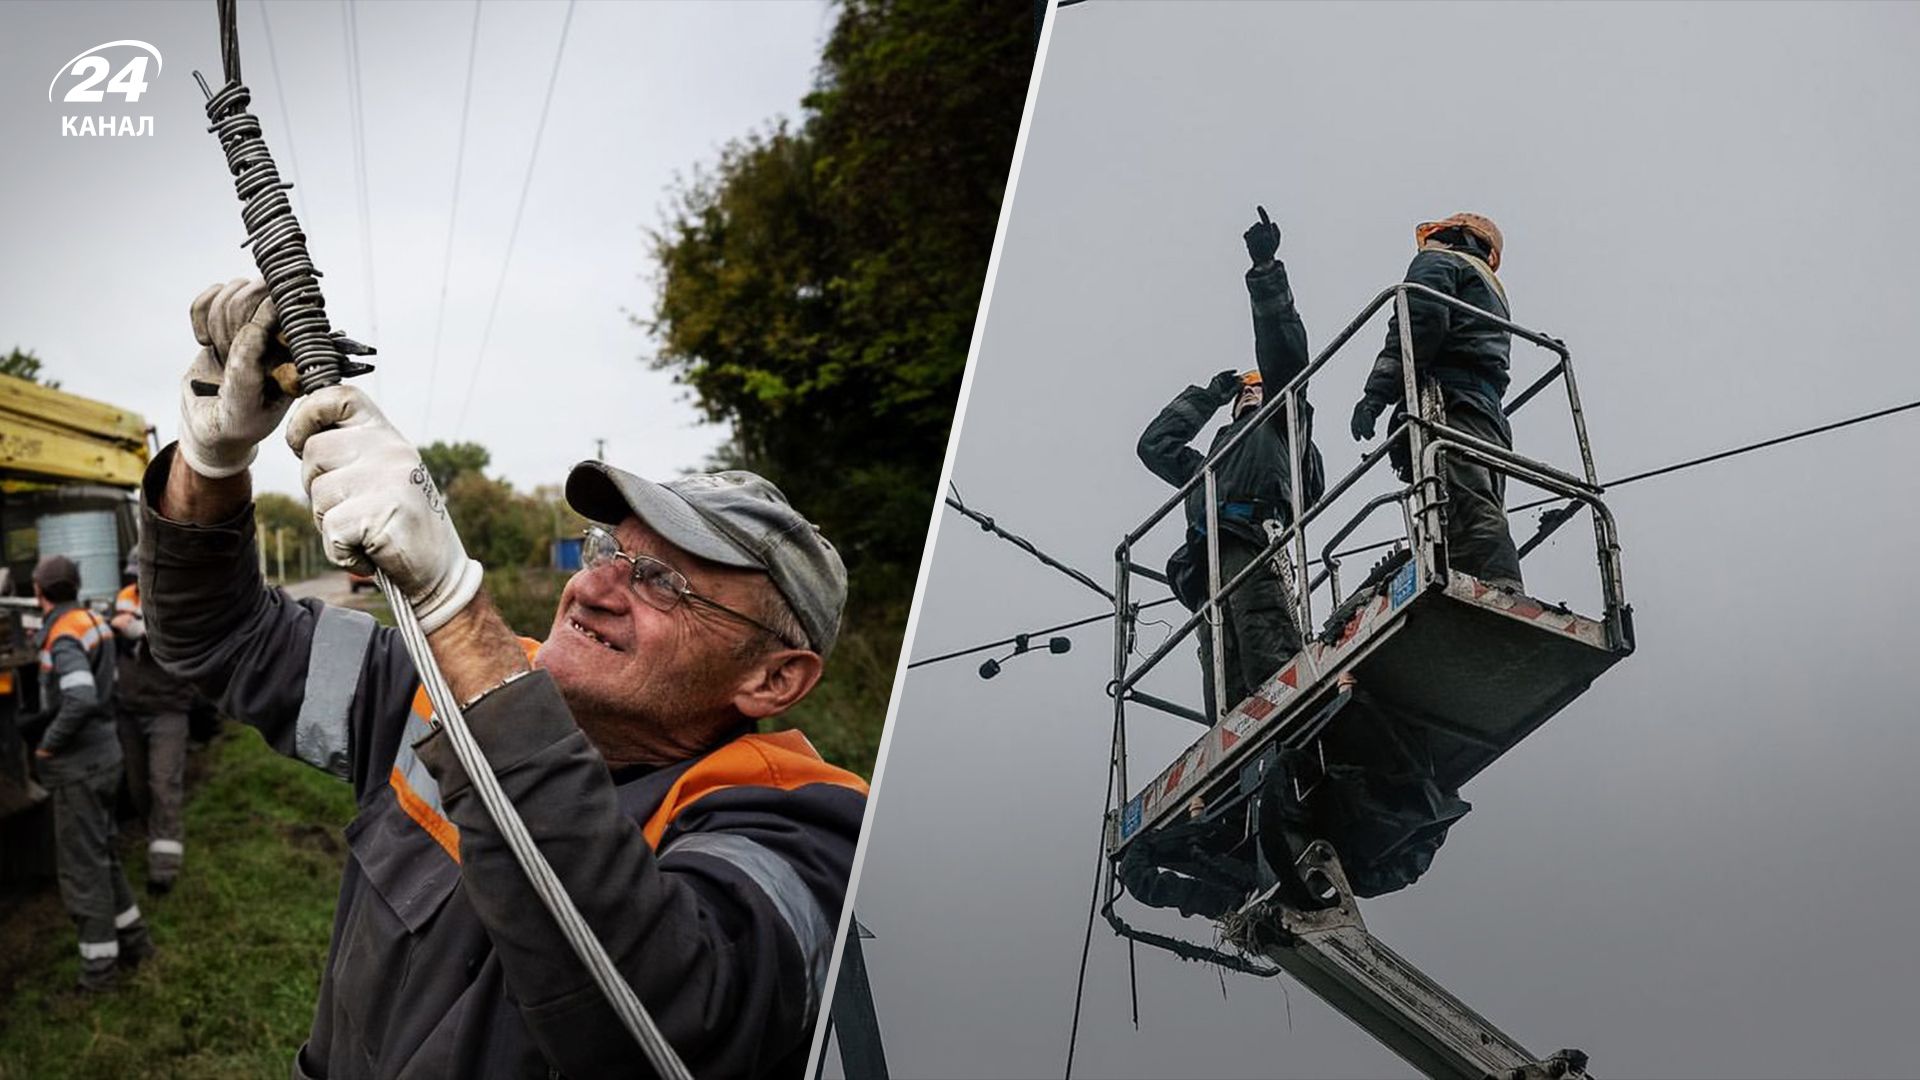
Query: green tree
pixel 22 364
pixel 447 461
pixel 499 526
pixel 819 283
pixel 291 521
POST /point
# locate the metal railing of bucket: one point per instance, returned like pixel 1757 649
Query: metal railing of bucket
pixel 1422 502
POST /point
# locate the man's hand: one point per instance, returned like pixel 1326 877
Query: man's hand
pixel 376 506
pixel 1263 239
pixel 1364 414
pixel 1225 386
pixel 227 403
pixel 43 753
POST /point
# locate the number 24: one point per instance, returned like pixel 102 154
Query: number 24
pixel 130 80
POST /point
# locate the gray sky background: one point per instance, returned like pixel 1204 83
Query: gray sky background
pixel 1707 865
pixel 108 239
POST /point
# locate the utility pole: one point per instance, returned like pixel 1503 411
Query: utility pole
pixel 852 1017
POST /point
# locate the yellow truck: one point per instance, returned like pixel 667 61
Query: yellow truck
pixel 69 470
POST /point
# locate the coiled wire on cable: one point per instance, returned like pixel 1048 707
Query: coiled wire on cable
pixel 273 233
pixel 280 251
pixel 539 872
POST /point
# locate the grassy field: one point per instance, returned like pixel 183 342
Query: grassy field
pixel 242 938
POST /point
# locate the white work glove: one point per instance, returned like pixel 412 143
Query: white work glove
pixel 375 504
pixel 220 433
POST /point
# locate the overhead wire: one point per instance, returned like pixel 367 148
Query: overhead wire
pixel 280 98
pixel 513 234
pixel 453 213
pixel 987 524
pixel 362 190
pixel 1093 908
pixel 1664 470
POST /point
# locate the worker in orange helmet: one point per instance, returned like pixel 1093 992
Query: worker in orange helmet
pixel 1254 481
pixel 1467 357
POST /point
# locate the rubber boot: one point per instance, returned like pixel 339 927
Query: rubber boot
pixel 98 976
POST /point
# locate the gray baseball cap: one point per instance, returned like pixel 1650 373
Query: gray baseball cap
pixel 734 518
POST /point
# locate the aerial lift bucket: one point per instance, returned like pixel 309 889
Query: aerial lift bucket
pixel 1422 671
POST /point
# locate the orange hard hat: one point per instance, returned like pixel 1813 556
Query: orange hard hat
pixel 1250 378
pixel 1478 224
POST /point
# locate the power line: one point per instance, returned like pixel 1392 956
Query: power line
pixel 1363 549
pixel 1003 642
pixel 453 212
pixel 513 234
pixel 987 524
pixel 1747 449
pixel 280 98
pixel 1093 907
pixel 361 187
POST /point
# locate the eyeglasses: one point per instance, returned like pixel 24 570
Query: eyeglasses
pixel 660 585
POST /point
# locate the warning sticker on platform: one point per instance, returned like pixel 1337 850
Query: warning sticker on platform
pixel 1403 585
pixel 1130 818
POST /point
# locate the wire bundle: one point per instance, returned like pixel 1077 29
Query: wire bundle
pixel 273 232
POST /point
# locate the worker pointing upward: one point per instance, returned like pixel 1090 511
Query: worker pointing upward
pixel 1254 480
pixel 711 860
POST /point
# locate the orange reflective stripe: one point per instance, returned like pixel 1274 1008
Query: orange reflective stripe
pixel 781 759
pixel 74 623
pixel 78 624
pixel 424 813
pixel 433 821
pixel 6 681
pixel 128 599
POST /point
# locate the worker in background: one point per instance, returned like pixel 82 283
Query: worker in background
pixel 1467 357
pixel 151 707
pixel 1253 483
pixel 711 860
pixel 78 759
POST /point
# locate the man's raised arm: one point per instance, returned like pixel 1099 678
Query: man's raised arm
pixel 293 670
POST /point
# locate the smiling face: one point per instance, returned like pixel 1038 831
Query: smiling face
pixel 658 686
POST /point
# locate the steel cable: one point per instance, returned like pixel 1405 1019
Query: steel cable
pixel 449 718
pixel 453 213
pixel 1649 474
pixel 513 234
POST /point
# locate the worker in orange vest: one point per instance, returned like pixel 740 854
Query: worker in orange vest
pixel 79 761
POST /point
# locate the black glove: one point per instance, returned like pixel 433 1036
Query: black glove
pixel 1263 238
pixel 1364 414
pixel 1225 386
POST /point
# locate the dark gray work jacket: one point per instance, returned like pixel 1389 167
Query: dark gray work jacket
pixel 717 901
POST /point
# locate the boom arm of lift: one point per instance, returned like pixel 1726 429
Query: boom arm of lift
pixel 1331 952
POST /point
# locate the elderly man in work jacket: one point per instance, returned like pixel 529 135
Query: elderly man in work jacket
pixel 711 861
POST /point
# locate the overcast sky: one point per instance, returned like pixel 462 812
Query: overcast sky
pixel 1706 866
pixel 108 239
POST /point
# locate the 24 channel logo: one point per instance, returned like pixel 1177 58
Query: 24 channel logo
pixel 86 72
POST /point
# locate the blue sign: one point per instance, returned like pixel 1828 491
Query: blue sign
pixel 1403 584
pixel 1130 816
